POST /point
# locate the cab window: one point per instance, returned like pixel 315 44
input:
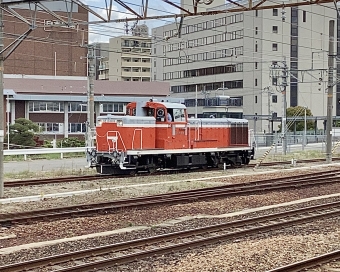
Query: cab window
pixel 179 115
pixel 150 112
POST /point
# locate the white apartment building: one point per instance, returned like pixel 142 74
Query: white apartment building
pixel 129 59
pixel 231 54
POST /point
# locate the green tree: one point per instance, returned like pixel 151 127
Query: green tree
pixel 71 142
pixel 21 133
pixel 300 112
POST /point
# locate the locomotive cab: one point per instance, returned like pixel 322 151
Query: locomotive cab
pixel 162 111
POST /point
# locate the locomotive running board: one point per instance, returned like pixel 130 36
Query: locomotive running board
pixel 187 150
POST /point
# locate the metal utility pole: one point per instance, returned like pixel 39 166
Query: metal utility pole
pixel 304 143
pixel 284 107
pixel 269 112
pixel 2 121
pixel 196 102
pixel 267 89
pixel 90 95
pixel 330 93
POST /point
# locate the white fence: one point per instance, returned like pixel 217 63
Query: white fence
pixel 40 151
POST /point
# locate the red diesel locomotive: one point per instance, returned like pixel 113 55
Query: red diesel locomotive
pixel 159 135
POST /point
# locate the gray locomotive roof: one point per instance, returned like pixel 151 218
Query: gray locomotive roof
pixel 170 105
pixel 218 120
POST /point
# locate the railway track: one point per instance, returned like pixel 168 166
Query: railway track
pixel 289 162
pixel 255 187
pixel 310 263
pixel 125 252
pixel 31 182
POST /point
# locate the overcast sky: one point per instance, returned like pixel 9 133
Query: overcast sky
pixel 103 32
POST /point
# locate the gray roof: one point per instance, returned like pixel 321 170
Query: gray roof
pixel 79 87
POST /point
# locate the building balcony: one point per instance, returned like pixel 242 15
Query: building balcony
pixel 137 55
pixel 136 64
pixel 136 74
pixel 103 77
pixel 103 67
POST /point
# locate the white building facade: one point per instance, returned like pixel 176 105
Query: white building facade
pixel 232 55
pixel 129 59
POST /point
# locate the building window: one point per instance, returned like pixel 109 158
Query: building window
pixel 77 128
pixel 255 99
pixel 50 127
pixel 304 16
pixel 112 107
pixel 231 68
pixel 274 46
pixel 256 65
pixel 208 86
pixel 274 98
pixel 274 81
pixel 255 81
pixel 256 30
pixel 275 12
pixel 77 107
pixel 34 106
pixel 256 13
pixel 255 47
pixel 275 29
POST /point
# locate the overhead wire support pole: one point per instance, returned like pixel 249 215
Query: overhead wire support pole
pixel 284 107
pixel 329 123
pixel 2 117
pixel 90 95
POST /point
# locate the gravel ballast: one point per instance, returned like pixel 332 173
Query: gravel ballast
pixel 234 253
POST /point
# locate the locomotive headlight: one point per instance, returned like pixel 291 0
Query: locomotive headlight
pixel 119 123
pixel 99 123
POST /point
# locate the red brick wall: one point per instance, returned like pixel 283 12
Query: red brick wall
pixel 19 109
pixel 47 117
pixel 36 54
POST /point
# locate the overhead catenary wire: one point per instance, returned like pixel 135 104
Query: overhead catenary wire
pixel 214 61
pixel 215 46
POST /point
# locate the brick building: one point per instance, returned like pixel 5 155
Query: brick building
pixel 59 104
pixel 49 49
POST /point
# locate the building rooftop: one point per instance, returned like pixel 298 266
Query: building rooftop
pixel 79 87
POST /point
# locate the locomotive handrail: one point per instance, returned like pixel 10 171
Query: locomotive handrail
pixel 117 135
pixel 141 138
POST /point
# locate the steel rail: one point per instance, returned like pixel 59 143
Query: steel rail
pixel 309 263
pixel 171 198
pixel 230 231
pixel 289 162
pixel 31 182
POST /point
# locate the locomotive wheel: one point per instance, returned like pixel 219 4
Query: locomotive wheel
pixel 133 172
pixel 220 166
pixel 152 170
pixel 237 163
